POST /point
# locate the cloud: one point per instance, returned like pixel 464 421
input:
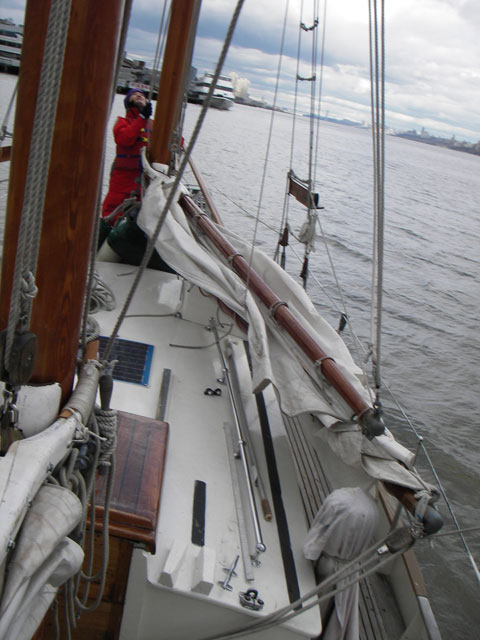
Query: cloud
pixel 432 55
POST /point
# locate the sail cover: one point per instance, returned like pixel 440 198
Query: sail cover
pixel 275 359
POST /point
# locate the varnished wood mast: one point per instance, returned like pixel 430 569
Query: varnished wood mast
pixel 74 176
pixel 174 77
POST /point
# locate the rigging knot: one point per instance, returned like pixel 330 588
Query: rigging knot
pixel 107 426
pixel 28 287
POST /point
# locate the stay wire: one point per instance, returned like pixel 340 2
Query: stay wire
pixel 441 488
pixel 320 89
pixel 158 50
pixel 377 84
pixel 286 202
pixel 267 150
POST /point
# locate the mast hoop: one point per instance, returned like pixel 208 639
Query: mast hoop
pixel 273 308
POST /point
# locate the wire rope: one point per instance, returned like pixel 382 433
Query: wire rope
pixel 377 83
pixel 159 50
pixel 267 151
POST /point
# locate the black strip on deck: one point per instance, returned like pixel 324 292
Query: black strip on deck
pixel 198 513
pixel 278 506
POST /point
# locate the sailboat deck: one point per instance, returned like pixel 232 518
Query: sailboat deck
pixel 204 522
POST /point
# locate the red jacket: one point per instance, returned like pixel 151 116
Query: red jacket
pixel 130 135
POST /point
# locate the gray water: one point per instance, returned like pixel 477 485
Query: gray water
pixel 430 345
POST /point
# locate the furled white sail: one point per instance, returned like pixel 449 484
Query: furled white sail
pixel 274 358
pixel 44 558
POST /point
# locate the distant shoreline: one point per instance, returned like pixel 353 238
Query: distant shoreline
pixel 466 147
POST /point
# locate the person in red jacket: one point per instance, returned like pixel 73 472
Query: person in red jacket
pixel 130 134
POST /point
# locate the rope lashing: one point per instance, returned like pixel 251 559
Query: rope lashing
pixel 107 427
pixel 101 297
pixel 273 309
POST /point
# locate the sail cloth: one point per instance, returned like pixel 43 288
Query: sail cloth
pixel 298 393
pixel 44 558
pixel 275 359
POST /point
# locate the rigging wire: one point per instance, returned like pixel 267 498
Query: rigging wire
pixel 377 84
pixel 160 47
pixel 267 151
pixel 347 575
pixel 320 88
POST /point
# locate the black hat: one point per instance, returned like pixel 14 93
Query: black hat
pixel 126 101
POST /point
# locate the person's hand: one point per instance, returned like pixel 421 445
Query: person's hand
pixel 146 110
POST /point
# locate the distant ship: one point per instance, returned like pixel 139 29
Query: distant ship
pixel 223 96
pixel 11 38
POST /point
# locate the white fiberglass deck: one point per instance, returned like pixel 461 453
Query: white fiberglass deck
pixel 175 593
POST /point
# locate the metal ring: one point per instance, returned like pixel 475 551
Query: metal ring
pixel 275 306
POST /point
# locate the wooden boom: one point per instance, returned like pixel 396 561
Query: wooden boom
pixel 371 424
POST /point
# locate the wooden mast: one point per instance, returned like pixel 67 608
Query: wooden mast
pixel 179 47
pixel 74 175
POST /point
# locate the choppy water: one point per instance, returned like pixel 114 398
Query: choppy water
pixel 430 347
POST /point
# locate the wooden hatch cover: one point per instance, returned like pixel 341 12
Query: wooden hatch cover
pixel 139 465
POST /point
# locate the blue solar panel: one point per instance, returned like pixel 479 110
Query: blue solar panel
pixel 134 360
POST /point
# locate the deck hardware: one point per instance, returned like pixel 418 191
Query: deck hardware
pixel 259 548
pixel 230 573
pixel 250 600
pixel 212 392
pixel 242 529
pixel 259 544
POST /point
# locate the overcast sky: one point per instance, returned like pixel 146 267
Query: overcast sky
pixel 432 56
